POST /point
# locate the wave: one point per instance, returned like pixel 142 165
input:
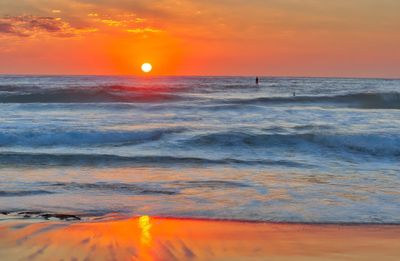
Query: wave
pixel 173 187
pixel 212 184
pixel 95 94
pixel 389 100
pixel 175 92
pixel 43 159
pixel 124 188
pixel 148 188
pixel 81 138
pixel 22 193
pixel 372 144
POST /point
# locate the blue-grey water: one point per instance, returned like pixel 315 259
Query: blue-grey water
pixel 289 149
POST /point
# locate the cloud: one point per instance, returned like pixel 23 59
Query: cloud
pixel 111 22
pixel 6 28
pixel 123 22
pixel 144 30
pixel 140 20
pixel 29 25
pixel 10 29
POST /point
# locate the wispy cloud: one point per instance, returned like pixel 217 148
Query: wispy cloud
pixel 29 25
pixel 111 22
pixel 144 30
pixel 140 20
pixel 123 22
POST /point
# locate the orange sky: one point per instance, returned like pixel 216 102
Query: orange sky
pixel 358 38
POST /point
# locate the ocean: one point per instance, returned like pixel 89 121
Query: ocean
pixel 313 150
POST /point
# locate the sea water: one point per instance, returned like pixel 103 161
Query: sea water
pixel 287 150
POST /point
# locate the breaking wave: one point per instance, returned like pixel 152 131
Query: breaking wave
pixel 81 138
pixel 390 100
pixel 172 93
pixel 95 94
pixel 372 144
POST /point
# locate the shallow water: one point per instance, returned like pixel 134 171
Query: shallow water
pixel 213 147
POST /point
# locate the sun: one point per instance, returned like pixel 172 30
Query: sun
pixel 146 67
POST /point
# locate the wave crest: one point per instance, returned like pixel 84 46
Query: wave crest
pixel 79 138
pixel 372 144
pixel 390 100
pixel 23 193
pixel 95 94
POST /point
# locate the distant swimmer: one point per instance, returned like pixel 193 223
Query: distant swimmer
pixel 294 94
pixel 257 80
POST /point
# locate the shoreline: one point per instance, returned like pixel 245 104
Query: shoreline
pixel 154 238
pixel 75 217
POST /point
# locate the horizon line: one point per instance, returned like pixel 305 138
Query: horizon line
pixel 194 75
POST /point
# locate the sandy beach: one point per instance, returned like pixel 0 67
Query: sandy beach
pixel 152 238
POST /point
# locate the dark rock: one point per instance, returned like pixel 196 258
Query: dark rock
pixel 61 216
pixel 38 214
pixel 30 213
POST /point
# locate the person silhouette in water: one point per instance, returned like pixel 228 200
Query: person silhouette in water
pixel 257 80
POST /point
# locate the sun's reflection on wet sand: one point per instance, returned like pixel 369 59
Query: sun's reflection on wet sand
pixel 145 238
pixel 155 239
pixel 145 226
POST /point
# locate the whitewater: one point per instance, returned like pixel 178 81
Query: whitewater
pixel 314 150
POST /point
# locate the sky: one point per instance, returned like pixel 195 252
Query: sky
pixel 341 38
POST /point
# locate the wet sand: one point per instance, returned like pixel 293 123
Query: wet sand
pixel 150 238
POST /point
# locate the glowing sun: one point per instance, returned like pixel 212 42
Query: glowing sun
pixel 146 67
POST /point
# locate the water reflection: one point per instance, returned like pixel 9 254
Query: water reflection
pixel 145 226
pixel 155 239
